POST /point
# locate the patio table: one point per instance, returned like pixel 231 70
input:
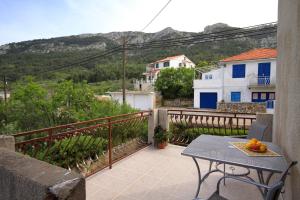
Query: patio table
pixel 218 149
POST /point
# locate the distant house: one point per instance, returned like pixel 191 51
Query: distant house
pixel 2 95
pixel 153 69
pixel 247 77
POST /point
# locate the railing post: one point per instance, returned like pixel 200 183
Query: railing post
pixel 109 144
pixel 152 123
pixel 164 118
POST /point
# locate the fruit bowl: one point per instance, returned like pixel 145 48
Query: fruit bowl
pixel 256 146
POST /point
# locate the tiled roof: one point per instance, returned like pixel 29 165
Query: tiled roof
pixel 254 54
pixel 169 58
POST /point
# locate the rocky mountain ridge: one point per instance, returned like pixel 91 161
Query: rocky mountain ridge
pixel 102 41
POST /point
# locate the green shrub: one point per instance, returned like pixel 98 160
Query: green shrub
pixel 67 152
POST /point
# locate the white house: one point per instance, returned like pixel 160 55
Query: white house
pixel 153 69
pixel 247 77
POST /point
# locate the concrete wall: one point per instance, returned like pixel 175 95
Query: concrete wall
pixel 139 100
pixel 22 177
pixel 287 111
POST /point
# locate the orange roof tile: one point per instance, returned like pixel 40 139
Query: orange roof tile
pixel 254 54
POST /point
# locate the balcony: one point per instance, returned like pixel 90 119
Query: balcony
pixel 118 163
pixel 152 174
pixel 261 82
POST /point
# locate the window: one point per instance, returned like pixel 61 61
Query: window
pixel 167 64
pixel 206 76
pixel 238 71
pixel 271 96
pixel 235 96
pixel 156 65
pixel 254 95
pixel 263 96
pixel 210 76
pixel 180 64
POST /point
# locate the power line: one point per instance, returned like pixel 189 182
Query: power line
pixel 204 38
pixel 159 12
pixel 198 38
pixel 218 34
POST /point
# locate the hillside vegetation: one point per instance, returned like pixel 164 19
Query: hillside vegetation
pixel 41 58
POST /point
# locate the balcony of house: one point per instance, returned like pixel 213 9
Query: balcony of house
pixel 262 82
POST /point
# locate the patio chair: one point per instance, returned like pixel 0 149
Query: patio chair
pixel 271 192
pixel 257 131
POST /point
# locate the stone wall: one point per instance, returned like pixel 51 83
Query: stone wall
pixel 23 177
pixel 242 107
pixel 178 102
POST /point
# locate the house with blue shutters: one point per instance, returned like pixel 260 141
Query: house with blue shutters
pixel 247 77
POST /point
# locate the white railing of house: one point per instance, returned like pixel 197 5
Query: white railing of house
pixel 262 81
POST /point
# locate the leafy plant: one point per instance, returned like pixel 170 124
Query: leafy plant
pixel 160 135
pixel 70 151
pixel 175 83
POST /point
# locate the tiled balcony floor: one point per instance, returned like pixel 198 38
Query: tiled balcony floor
pixel 153 174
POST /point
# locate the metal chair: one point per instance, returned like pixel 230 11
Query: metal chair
pixel 257 131
pixel 271 192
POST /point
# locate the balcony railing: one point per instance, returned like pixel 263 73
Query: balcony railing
pixel 92 145
pixel 186 125
pixel 262 81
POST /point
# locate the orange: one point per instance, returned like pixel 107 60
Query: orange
pixel 253 140
pixel 262 148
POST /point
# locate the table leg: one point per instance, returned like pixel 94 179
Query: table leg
pixel 199 178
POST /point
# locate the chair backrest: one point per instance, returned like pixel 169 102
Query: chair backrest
pixel 274 192
pixel 257 131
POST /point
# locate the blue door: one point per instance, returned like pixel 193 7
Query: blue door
pixel 208 100
pixel 264 72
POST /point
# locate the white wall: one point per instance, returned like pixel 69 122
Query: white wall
pixel 139 100
pixel 197 95
pixel 232 84
pixel 241 84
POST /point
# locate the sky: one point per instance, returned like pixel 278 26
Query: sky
pixel 36 19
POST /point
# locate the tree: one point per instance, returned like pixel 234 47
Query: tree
pixel 175 83
pixel 29 106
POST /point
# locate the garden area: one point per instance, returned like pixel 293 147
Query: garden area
pixel 68 127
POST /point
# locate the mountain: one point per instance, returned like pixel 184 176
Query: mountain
pixel 44 55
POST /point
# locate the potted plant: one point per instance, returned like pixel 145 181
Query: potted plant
pixel 161 137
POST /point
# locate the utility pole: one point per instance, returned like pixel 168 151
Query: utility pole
pixel 4 89
pixel 124 71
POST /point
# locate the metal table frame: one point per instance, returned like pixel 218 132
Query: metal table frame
pixel 189 151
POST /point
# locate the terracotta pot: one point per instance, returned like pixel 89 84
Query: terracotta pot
pixel 162 145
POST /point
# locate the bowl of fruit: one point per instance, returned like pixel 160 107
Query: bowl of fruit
pixel 256 146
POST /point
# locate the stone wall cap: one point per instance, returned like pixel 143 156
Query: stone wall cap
pixel 38 171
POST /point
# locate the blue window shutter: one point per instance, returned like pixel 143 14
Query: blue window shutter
pixel 235 96
pixel 238 71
